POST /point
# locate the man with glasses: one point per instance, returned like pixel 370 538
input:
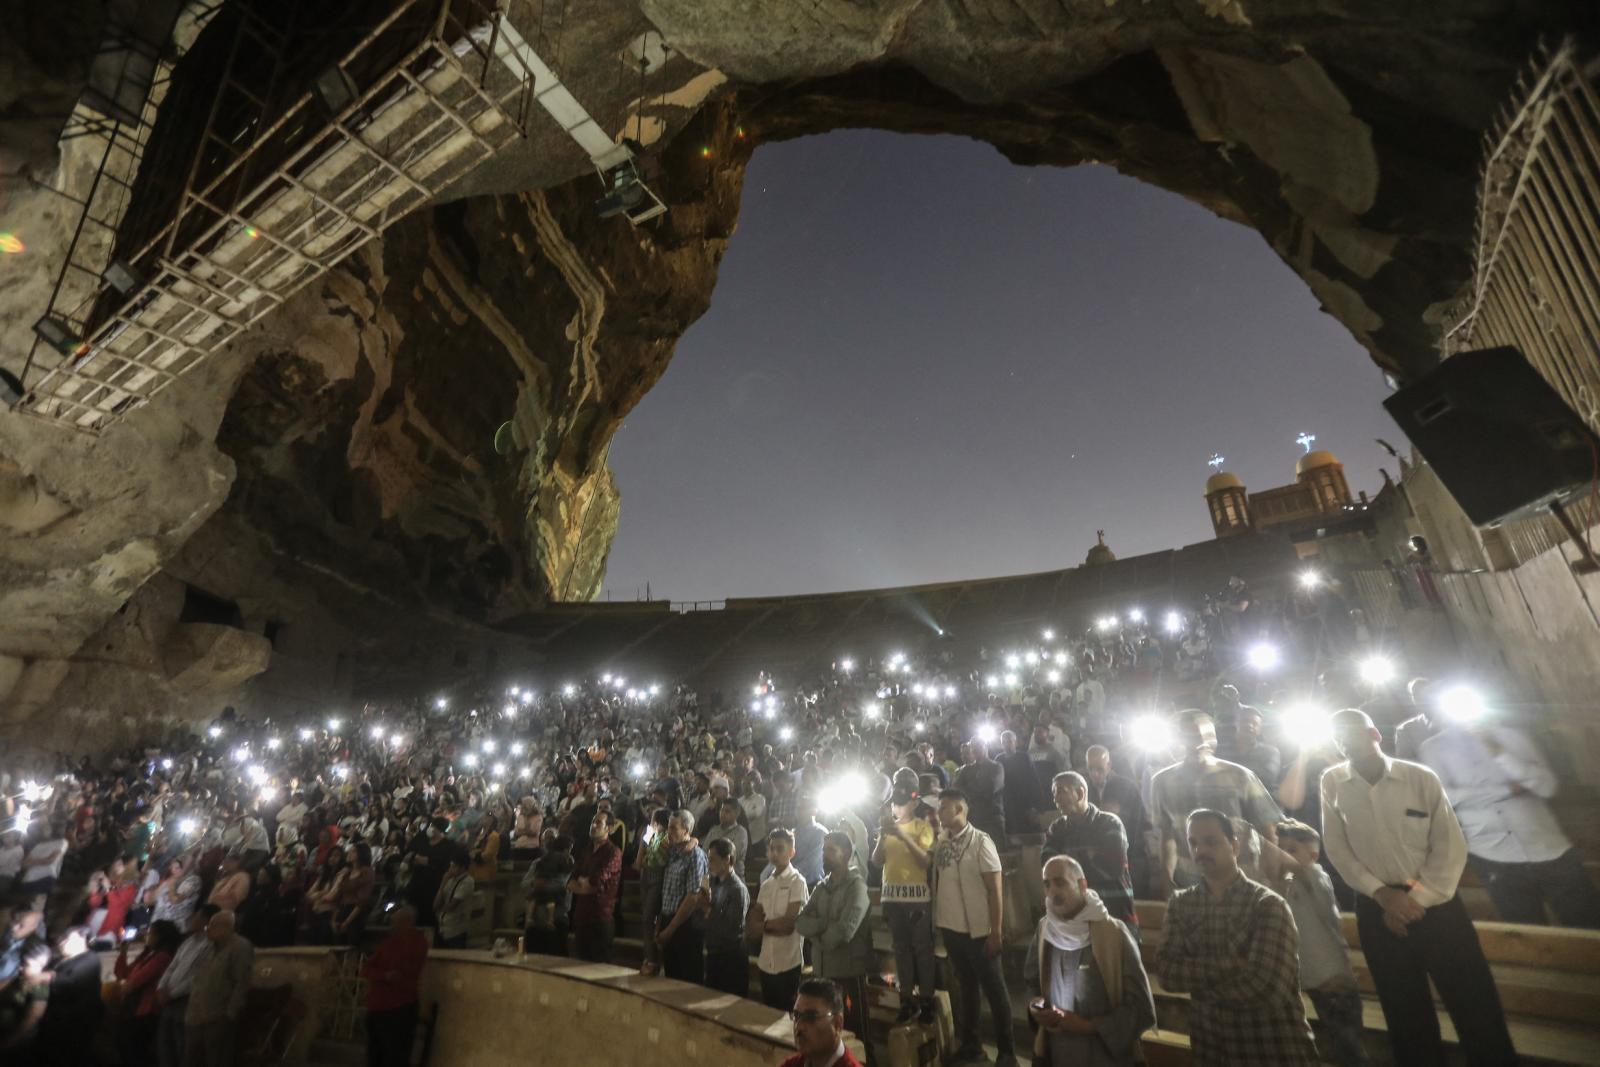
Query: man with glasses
pixel 818 1016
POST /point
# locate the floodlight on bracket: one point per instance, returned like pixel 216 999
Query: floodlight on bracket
pixel 626 192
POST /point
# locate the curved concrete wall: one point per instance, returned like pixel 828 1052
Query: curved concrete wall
pixel 556 1010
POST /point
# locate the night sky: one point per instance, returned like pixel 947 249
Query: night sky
pixel 923 363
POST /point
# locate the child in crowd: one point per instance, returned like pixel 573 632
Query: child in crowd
pixel 1325 972
pixel 549 899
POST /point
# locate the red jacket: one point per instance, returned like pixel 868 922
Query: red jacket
pixel 798 1060
pixel 404 954
pixel 140 978
pixel 603 867
pixel 116 901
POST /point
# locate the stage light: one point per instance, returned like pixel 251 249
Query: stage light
pixel 871 711
pixel 1136 615
pixel 1174 622
pixel 214 733
pixel 1310 579
pixel 1463 704
pixel 274 743
pixel 987 733
pixel 1153 733
pixel 1264 657
pixel 1307 724
pixel 1013 661
pixel 57 334
pixel 1377 670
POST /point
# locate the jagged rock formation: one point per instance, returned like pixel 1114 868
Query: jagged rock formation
pixel 332 477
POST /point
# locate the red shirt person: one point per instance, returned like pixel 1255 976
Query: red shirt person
pixel 819 1027
pixel 393 972
pixel 596 880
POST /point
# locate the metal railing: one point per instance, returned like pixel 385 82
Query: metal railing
pixel 1536 278
pixel 268 206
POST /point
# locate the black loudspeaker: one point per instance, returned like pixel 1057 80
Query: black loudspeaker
pixel 1500 439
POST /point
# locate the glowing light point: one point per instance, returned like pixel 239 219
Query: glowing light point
pixel 274 743
pixel 787 733
pixel 1174 622
pixel 1216 461
pixel 441 703
pixel 1136 615
pixel 568 689
pixel 991 681
pixel 1052 675
pixel 470 760
pixel 1049 635
pixel 11 244
pixel 847 665
pixel 987 733
pixel 872 711
pixel 306 733
pixel 1304 440
pixel 1463 704
pixel 1377 670
pixel 214 733
pixel 1011 679
pixel 1310 579
pixel 333 726
pixel 377 733
pixel 1264 657
pixel 187 826
pixel 1152 733
pixel 1013 661
pixel 488 745
pixel 950 692
pixel 639 769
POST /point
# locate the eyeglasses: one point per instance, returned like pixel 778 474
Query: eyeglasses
pixel 812 1016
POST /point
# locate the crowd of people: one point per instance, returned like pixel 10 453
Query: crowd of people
pixel 1188 756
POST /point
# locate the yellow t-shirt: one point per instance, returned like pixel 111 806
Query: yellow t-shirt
pixel 904 880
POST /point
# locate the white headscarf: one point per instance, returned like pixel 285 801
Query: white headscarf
pixel 1071 935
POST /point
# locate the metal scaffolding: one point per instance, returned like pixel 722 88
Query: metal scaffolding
pixel 267 207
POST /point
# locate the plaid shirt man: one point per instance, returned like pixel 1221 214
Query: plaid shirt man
pixel 1237 955
pixel 783 808
pixel 686 869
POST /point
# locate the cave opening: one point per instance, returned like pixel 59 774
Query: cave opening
pixel 900 317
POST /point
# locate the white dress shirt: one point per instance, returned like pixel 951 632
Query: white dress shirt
pixel 1499 824
pixel 1399 832
pixel 781 952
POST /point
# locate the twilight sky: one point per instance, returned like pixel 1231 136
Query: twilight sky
pixel 923 363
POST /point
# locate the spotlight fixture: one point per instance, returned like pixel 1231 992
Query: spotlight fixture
pixel 57 334
pixel 122 277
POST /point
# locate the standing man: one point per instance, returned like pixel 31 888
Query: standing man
pixel 983 782
pixel 1248 750
pixel 177 981
pixel 1093 997
pixel 392 973
pixel 453 903
pixel 967 910
pixel 834 920
pixel 595 883
pixel 1499 784
pixel 1119 794
pixel 1389 832
pixel 1023 795
pixel 1231 944
pixel 771 919
pixel 1201 780
pixel 682 938
pixel 1096 842
pixel 818 1014
pixel 221 983
pixel 728 828
pixel 808 835
pixel 727 902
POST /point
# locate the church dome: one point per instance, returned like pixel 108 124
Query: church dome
pixel 1100 552
pixel 1313 460
pixel 1222 480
